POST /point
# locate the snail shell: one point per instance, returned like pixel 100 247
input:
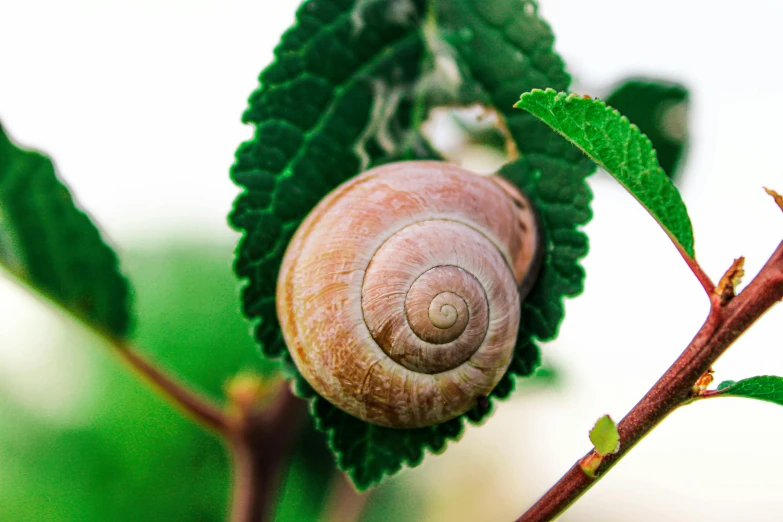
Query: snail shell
pixel 399 295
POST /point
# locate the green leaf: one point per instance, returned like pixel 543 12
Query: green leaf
pixel 50 244
pixel 604 436
pixel 610 140
pixel 337 100
pixel 316 118
pixel 763 388
pixel 551 171
pixel 659 109
pixel 726 384
pixel 319 120
pixel 502 48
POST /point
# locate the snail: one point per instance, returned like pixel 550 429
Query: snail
pixel 399 295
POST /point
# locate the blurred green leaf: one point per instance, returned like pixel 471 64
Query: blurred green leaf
pixel 137 458
pixel 545 377
pixel 190 318
pixel 767 388
pixel 659 109
pixel 50 244
pixel 618 146
pixel 604 436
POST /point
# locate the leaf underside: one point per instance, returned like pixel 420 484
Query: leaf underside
pixel 767 388
pixel 659 109
pixel 50 244
pixel 316 117
pixel 618 146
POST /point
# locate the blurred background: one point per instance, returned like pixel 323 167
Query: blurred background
pixel 138 103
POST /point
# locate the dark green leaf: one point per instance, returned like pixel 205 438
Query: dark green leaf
pixel 50 244
pixel 659 109
pixel 503 47
pixel 604 436
pixel 316 123
pixel 324 112
pixel 337 100
pixel 764 388
pixel 610 140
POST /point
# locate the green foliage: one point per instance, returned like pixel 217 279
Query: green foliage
pixel 551 172
pixel 659 109
pixel 50 244
pixel 188 312
pixel 763 388
pixel 316 125
pixel 502 48
pixel 339 98
pixel 136 457
pixel 604 436
pixel 618 146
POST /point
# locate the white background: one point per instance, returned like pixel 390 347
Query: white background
pixel 139 104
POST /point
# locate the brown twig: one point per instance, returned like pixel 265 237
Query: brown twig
pixel 697 270
pixel 725 323
pixel 259 438
pixel 199 408
pixel 261 441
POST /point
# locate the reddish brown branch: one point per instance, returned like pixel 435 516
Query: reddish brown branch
pixel 199 408
pixel 723 326
pixel 697 270
pixel 261 440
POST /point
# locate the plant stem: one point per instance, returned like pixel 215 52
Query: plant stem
pixel 697 270
pixel 261 441
pixel 199 408
pixel 723 326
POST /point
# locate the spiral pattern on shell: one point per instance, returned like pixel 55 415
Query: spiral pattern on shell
pixel 399 295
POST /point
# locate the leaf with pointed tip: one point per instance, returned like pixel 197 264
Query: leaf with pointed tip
pixel 618 146
pixel 50 244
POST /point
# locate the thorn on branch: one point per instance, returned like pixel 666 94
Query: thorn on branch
pixel 726 289
pixel 777 197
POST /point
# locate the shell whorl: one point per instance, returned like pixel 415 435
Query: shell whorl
pixel 399 295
